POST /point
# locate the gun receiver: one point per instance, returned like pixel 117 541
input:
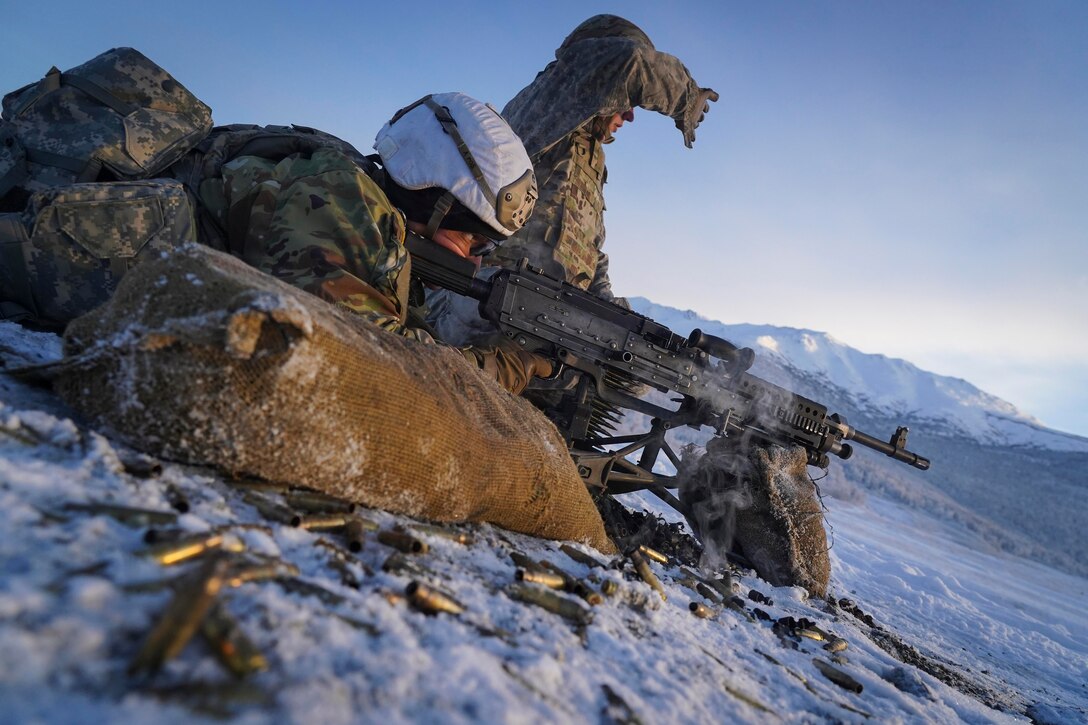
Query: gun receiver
pixel 617 349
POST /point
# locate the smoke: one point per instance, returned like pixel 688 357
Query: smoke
pixel 713 487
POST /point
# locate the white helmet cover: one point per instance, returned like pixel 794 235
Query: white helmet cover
pixel 418 152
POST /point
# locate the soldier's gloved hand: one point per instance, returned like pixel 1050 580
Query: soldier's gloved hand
pixel 696 112
pixel 509 365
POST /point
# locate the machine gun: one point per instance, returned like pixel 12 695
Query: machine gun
pixel 618 351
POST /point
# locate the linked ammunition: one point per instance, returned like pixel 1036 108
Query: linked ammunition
pixel 837 644
pixel 653 554
pixel 646 573
pixel 173 552
pixel 837 676
pixel 544 578
pixel 700 610
pixel 580 556
pixel 231 645
pixel 547 599
pixel 331 522
pixel 707 592
pixel 317 503
pixel 127 515
pixel 460 537
pixel 183 616
pixel 267 508
pixel 403 542
pixel 430 600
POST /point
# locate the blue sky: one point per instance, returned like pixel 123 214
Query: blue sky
pixel 907 176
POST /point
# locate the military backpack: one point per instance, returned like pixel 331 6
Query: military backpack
pixel 78 204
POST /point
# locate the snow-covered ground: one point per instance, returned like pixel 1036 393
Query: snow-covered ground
pixel 958 636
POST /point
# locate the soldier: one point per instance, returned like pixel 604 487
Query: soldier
pixel 602 71
pixel 307 208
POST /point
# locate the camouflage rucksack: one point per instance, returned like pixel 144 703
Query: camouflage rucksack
pixel 72 147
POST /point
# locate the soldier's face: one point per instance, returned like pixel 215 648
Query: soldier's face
pixel 617 120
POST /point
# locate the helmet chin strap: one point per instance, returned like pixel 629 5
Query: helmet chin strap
pixel 441 209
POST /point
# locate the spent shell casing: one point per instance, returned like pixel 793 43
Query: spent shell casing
pixel 572 584
pixel 700 610
pixel 544 578
pixel 355 534
pixel 442 532
pixel 653 554
pixel 330 522
pixel 646 574
pixel 811 634
pixel 837 644
pixel 429 600
pixel 547 599
pixel 139 464
pixel 231 645
pixel 580 556
pixel 126 514
pixel 707 592
pixel 183 616
pixel 524 561
pixel 403 542
pixel 313 502
pixel 609 587
pixel 257 485
pixel 173 552
pixel 260 571
pixel 837 676
pixel 268 508
pixel 177 499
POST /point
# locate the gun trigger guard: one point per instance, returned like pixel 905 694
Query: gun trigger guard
pixel 557 369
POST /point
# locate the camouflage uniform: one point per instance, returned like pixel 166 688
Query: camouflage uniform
pixel 606 66
pixel 319 223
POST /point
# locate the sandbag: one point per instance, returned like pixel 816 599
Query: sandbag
pixel 201 359
pixel 762 504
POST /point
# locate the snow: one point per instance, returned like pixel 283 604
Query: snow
pixel 77 600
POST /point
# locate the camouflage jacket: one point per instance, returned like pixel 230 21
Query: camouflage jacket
pixel 304 207
pixel 606 66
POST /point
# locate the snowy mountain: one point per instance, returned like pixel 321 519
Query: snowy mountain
pixel 879 386
pixel 996 471
pixel 929 624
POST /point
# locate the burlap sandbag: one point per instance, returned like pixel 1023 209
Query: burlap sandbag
pixel 763 505
pixel 201 359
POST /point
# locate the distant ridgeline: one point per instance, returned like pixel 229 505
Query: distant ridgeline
pixel 996 472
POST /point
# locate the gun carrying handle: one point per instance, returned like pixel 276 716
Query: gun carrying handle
pixel 741 357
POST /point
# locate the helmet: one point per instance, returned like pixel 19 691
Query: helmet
pixel 607 26
pixel 454 162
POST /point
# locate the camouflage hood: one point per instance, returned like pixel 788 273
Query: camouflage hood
pixel 607 65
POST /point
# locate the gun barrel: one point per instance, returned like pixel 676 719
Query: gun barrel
pixel 899 454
